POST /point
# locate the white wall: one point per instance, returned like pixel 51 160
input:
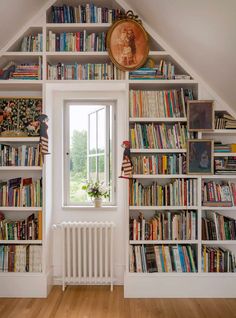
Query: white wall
pixel 57 94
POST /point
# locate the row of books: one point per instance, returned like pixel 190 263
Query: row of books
pixel 28 229
pixel 225 165
pixel 21 258
pixel 225 121
pixel 167 225
pixel 21 192
pixel 218 227
pixel 219 194
pixel 217 259
pixel 84 13
pixel 163 103
pixel 103 71
pixel 76 41
pixel 20 155
pixel 162 258
pixel 220 147
pixel 32 43
pixel 158 136
pixel 179 192
pixel 159 164
pixel 165 70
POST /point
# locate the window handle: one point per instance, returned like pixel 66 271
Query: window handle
pixel 67 153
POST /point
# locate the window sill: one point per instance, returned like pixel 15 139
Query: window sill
pixel 89 208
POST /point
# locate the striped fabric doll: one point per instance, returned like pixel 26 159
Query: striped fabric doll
pixel 43 132
pixel 127 166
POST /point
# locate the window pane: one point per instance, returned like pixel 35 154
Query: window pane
pixel 101 130
pixel 92 133
pixel 101 168
pixel 92 168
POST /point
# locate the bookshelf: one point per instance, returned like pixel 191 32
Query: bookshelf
pixel 136 284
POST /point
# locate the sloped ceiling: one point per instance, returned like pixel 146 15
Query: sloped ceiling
pixel 202 32
pixel 14 14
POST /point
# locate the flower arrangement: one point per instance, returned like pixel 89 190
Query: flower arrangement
pixel 96 189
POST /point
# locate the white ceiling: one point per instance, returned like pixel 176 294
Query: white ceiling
pixel 202 32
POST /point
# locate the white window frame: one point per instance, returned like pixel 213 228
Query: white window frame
pixel 66 150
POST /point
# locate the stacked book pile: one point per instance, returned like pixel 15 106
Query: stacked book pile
pixel 19 192
pixel 84 13
pixel 21 258
pixel 225 121
pixel 27 72
pixel 218 227
pixel 164 226
pixel 145 73
pixel 159 164
pixel 104 71
pixel 162 258
pixel 76 42
pixel 164 103
pixel 28 229
pixel 225 165
pixel 150 136
pixel 219 194
pixel 180 192
pixel 32 43
pixel 217 260
pixel 219 147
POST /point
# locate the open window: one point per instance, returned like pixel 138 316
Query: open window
pixel 88 149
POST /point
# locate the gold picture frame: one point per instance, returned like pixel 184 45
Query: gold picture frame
pixel 200 115
pixel 200 156
pixel 127 43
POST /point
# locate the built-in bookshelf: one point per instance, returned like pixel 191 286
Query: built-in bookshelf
pixel 71 38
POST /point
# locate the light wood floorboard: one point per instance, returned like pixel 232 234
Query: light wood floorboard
pixel 99 302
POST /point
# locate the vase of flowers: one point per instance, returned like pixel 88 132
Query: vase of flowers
pixel 96 191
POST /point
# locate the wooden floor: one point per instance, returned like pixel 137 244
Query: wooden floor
pixel 99 302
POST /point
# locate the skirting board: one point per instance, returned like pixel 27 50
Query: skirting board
pixel 162 286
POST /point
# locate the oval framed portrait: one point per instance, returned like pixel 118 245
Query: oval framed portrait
pixel 127 44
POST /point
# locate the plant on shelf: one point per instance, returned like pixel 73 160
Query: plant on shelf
pixel 96 190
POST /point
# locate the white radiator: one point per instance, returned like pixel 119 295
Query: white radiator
pixel 87 252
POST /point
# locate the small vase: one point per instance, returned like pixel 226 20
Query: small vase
pixel 97 202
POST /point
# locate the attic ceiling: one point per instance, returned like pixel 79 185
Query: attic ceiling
pixel 202 32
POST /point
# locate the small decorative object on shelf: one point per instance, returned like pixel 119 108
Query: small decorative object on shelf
pixel 96 191
pixel 200 115
pixel 127 165
pixel 127 42
pixel 200 156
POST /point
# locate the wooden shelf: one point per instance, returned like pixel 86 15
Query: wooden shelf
pixel 24 85
pixel 164 176
pixel 219 242
pixel 224 154
pixel 220 131
pixel 21 168
pixel 219 208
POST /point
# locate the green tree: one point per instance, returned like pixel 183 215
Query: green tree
pixel 79 153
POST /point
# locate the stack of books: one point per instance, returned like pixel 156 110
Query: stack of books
pixel 219 147
pixel 76 42
pixel 225 165
pixel 27 72
pixel 21 258
pixel 180 225
pixel 84 13
pixel 162 258
pixel 180 192
pixel 159 164
pixel 219 194
pixel 225 121
pixel 218 227
pixel 217 260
